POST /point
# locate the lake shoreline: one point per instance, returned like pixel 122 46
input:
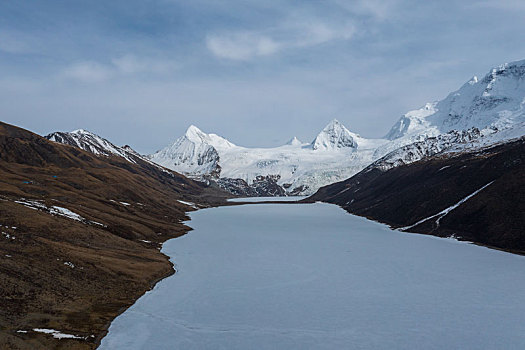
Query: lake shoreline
pixel 188 271
pixel 153 283
pixel 305 201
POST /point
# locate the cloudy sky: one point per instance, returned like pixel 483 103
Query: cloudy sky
pixel 255 72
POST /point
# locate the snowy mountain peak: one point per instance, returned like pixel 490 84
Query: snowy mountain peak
pixel 82 132
pixel 334 122
pixel 195 134
pixel 294 141
pixel 194 153
pixel 494 102
pixel 93 143
pixel 334 125
pixel 334 136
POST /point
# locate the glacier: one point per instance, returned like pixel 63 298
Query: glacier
pixel 295 164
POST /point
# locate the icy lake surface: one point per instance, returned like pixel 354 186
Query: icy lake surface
pixel 311 276
pixel 267 199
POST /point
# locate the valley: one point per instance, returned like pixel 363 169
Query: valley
pixel 235 174
pixel 310 276
pixel 83 221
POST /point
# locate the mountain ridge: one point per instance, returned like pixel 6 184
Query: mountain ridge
pixel 481 112
pixel 298 167
pixel 490 102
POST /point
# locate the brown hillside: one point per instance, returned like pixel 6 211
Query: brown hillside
pixel 76 276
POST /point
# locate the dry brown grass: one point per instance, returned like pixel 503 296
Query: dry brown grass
pixel 113 266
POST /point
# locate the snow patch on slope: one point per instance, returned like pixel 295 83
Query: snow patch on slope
pixel 445 211
pixel 56 334
pixel 55 210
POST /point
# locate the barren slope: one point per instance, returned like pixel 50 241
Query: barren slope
pixel 477 196
pixel 80 236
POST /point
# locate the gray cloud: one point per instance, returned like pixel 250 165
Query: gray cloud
pixel 126 65
pixel 292 33
pixel 255 72
pixel 88 72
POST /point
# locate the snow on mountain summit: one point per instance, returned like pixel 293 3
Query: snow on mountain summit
pixel 334 136
pixel 197 136
pixel 297 167
pixel 82 132
pixel 98 145
pixel 294 141
pixel 412 122
pixel 495 102
pixel 93 143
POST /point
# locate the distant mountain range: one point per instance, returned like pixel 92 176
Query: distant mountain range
pixel 299 168
pixel 482 112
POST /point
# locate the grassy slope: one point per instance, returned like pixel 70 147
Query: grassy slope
pixel 113 264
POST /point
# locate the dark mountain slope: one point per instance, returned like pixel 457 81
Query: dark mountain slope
pixel 408 194
pixel 80 237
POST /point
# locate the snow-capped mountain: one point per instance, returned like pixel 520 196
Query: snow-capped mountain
pixel 93 143
pixel 100 146
pixel 298 167
pixel 334 136
pixel 480 113
pixel 195 153
pixel 294 141
pixel 495 102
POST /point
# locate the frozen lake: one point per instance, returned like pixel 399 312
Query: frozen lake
pixel 268 199
pixel 311 276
